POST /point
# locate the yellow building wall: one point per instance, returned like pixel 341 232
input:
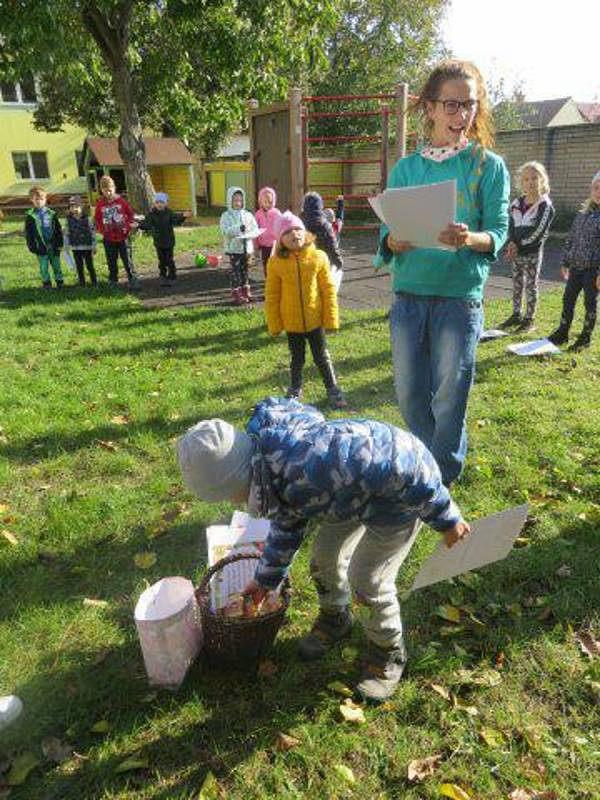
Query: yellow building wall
pixel 176 183
pixel 17 134
pixel 221 175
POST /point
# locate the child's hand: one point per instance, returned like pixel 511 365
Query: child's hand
pixel 455 235
pixel 340 197
pixel 397 246
pixel 511 251
pixel 455 534
pixel 255 592
pixel 564 271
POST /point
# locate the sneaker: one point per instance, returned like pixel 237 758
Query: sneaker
pixel 113 284
pixel 527 326
pixel 580 343
pixel 164 281
pixel 237 298
pixel 293 394
pixel 60 284
pixel 329 628
pixel 381 673
pixel 134 283
pixel 559 336
pixel 46 285
pixel 336 398
pixel 514 319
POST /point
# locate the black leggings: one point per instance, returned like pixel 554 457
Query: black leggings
pixel 320 353
pixel 113 250
pixel 166 262
pixel 86 256
pixel 239 270
pixel 580 279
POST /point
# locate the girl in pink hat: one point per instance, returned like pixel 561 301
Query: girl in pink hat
pixel 266 218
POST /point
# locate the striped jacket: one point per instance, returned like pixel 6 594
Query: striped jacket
pixel 306 467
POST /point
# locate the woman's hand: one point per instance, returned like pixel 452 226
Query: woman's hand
pixel 455 235
pixel 511 251
pixel 455 534
pixel 564 271
pixel 397 246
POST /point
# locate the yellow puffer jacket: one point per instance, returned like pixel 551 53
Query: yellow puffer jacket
pixel 300 295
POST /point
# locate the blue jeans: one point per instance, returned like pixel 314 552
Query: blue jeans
pixel 434 341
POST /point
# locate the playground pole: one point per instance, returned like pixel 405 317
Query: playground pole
pixel 296 158
pixel 401 114
pixel 251 108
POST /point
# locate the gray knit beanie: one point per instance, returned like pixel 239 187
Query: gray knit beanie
pixel 214 458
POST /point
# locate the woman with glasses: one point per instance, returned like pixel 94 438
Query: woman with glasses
pixel 437 316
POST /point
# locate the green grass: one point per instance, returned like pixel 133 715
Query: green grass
pixel 73 363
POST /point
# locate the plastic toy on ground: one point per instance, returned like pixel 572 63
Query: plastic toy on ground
pixel 200 260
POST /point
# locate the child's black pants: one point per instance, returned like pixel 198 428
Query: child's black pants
pixel 113 250
pixel 580 280
pixel 166 262
pixel 85 257
pixel 239 270
pixel 320 353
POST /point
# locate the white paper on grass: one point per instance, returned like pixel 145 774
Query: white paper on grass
pixel 492 333
pixel 418 214
pixel 244 534
pixel 491 539
pixel 539 347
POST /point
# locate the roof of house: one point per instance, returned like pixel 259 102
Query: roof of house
pixel 237 145
pixel 591 111
pixel 159 152
pixel 539 113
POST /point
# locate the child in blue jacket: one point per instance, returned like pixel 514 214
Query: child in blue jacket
pixel 367 484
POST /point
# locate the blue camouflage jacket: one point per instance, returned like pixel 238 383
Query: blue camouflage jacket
pixel 306 467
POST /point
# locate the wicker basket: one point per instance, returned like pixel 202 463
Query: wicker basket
pixel 237 642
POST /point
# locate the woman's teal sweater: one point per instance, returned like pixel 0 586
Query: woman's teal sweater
pixel 483 189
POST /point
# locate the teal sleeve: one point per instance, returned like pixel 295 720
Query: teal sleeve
pixel 495 194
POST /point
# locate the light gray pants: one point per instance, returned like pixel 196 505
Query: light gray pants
pixel 348 557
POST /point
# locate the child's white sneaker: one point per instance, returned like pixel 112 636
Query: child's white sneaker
pixel 381 673
pixel 10 708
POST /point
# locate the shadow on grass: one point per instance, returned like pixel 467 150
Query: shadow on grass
pixel 219 719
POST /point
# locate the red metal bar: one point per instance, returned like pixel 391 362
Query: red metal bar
pixel 355 138
pixel 323 114
pixel 322 98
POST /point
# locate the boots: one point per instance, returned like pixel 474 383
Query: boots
pixel 559 336
pixel 336 398
pixel 582 341
pixel 329 628
pixel 381 673
pixel 293 394
pixel 513 320
pixel 237 297
pixel 246 293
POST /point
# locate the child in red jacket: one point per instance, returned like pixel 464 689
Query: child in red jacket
pixel 114 219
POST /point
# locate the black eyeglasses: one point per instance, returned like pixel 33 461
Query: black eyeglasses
pixel 451 107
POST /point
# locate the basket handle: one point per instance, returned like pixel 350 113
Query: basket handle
pixel 200 591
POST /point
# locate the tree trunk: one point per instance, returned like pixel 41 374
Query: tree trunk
pixel 111 34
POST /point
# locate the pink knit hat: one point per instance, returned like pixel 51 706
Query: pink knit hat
pixel 285 223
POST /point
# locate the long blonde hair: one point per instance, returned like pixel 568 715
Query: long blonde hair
pixel 538 167
pixel 482 129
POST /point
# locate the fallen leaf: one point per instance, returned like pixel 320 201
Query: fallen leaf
pixel 145 560
pixel 120 419
pixel 349 653
pixel 514 609
pixel 520 794
pixel 56 750
pixel 286 742
pixel 449 613
pixel 531 794
pixel 472 711
pixel 102 726
pixel 453 791
pixel 421 768
pixel 339 688
pixel 345 773
pixel 107 444
pixel 21 767
pixel 522 541
pixel 469 579
pixel 451 630
pixel 3 508
pixel 210 788
pixel 9 536
pixel 267 668
pixel 487 677
pixel 132 763
pixel 92 602
pixel 351 712
pixel 564 571
pixel 492 737
pixel 441 690
pixel 587 644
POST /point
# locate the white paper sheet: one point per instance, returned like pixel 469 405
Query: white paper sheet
pixel 491 539
pixel 539 347
pixel 336 277
pixel 492 333
pixel 418 214
pixel 244 534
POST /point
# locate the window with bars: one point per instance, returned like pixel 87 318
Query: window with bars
pixel 31 166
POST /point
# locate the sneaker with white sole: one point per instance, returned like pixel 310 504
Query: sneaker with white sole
pixel 381 673
pixel 329 628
